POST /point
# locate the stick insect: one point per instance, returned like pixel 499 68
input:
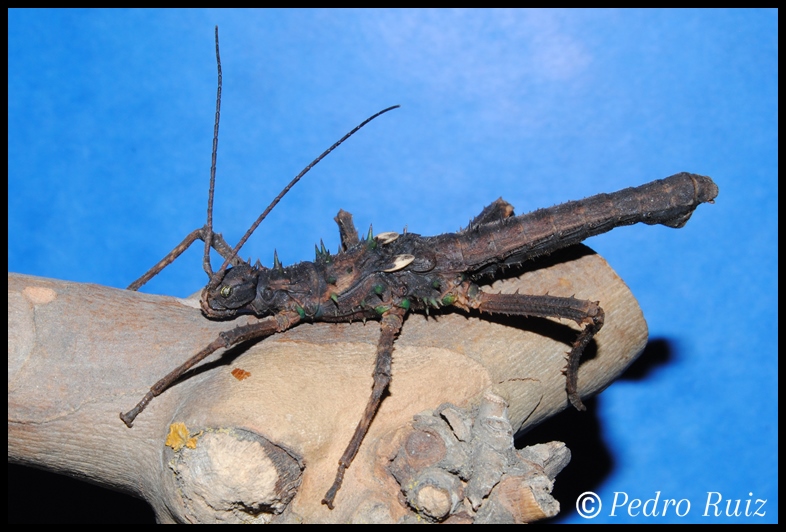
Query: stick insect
pixel 384 277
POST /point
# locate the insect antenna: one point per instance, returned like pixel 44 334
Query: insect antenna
pixel 218 275
pixel 209 226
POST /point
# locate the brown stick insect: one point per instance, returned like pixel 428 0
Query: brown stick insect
pixel 385 276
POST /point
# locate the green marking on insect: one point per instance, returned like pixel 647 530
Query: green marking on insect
pixel 371 243
pixel 449 299
pixel 277 263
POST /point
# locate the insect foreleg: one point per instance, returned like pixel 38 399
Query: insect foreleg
pixel 205 234
pixel 226 339
pixel 391 326
pixel 586 313
pixel 217 242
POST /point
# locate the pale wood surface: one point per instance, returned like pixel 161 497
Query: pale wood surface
pixel 78 354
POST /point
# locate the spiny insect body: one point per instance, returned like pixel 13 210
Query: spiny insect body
pixel 385 276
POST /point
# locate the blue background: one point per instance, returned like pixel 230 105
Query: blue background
pixel 110 122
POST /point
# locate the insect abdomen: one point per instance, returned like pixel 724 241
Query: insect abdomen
pixel 669 201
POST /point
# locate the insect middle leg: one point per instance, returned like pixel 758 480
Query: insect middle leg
pixel 583 312
pixel 390 326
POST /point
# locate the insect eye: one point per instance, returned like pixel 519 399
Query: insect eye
pixel 226 290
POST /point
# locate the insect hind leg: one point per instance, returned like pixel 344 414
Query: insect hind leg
pixel 583 312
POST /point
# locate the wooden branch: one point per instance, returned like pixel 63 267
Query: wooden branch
pixel 255 435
